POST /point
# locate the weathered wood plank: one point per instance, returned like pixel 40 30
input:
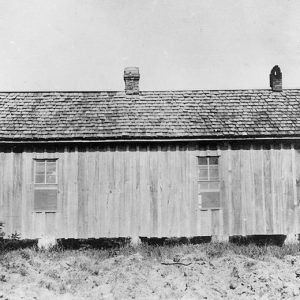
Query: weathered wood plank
pixel 236 193
pixel 268 191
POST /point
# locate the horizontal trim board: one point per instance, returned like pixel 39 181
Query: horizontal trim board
pixel 150 140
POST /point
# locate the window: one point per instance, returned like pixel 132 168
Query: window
pixel 208 182
pixel 45 184
pixel 45 171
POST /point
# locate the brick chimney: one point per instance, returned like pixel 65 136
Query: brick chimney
pixel 132 78
pixel 276 79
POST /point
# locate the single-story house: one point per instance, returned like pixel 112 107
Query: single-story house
pixel 151 163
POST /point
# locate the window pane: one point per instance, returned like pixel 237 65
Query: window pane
pixel 39 178
pixel 45 199
pixel 202 161
pixel 40 166
pixel 51 172
pixel 213 160
pixel 213 172
pixel 40 171
pixel 210 200
pixel 203 173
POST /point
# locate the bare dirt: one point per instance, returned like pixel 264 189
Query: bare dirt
pixel 179 274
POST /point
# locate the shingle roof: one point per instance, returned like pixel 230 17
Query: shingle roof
pixel 158 114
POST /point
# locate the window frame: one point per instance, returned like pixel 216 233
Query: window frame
pixel 44 185
pixel 35 160
pixel 207 190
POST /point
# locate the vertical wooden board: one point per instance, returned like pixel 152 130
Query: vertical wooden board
pixel 193 189
pixel 183 200
pixel 243 171
pixel 125 200
pixel 17 192
pixel 87 202
pixel 236 193
pixel 128 197
pixel 159 190
pixel 297 184
pixel 113 168
pixel 3 191
pixel 82 194
pixel 173 192
pixel 181 215
pixel 215 222
pixel 5 195
pixel 92 180
pixel 89 217
pixel 223 169
pixel 297 173
pixel 134 190
pixel 50 224
pixel 8 189
pixel 205 220
pixel 24 205
pixel 2 203
pixel 148 212
pixel 153 191
pixel 63 178
pixel 178 184
pixel 187 191
pixel 164 195
pixel 246 190
pixel 284 200
pixel 268 191
pixel 278 191
pixel 167 201
pixel 294 187
pixel 138 192
pixel 288 191
pixel 259 197
pixel 102 177
pixel 97 195
pixel 108 186
pixel 281 191
pixel 60 217
pixel 69 161
pixel 74 197
pixel 273 192
pixel 228 183
pixel 119 212
pixel 287 205
pixel 66 204
pixel 39 224
pixel 143 220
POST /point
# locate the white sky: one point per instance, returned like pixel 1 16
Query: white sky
pixel 187 44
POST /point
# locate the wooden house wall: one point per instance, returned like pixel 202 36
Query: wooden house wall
pixel 151 190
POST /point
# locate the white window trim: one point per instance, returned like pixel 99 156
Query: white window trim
pixel 34 172
pixel 208 153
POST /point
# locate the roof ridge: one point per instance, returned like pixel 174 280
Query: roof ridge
pixel 151 91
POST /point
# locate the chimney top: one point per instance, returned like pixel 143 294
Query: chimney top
pixel 131 78
pixel 276 79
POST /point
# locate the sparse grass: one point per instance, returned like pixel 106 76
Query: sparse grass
pixel 211 250
pixel 62 271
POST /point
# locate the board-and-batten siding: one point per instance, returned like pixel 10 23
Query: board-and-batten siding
pixel 151 190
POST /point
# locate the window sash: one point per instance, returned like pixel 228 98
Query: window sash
pixel 45 171
pixel 208 175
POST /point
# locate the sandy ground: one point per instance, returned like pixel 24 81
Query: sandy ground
pixel 28 274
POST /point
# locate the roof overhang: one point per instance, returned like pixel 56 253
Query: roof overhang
pixel 151 140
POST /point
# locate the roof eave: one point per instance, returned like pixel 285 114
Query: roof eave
pixel 150 140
